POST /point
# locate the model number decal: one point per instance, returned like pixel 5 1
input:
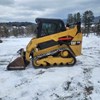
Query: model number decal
pixel 75 42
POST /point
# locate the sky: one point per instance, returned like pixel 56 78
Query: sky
pixel 28 10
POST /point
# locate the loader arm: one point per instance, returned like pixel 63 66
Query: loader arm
pixel 35 41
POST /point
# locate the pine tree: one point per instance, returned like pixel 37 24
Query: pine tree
pixel 6 33
pixel 98 28
pixel 70 19
pixel 77 17
pixel 88 18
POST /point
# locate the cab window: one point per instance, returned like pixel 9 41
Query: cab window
pixel 50 28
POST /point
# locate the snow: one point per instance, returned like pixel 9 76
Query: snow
pixel 80 82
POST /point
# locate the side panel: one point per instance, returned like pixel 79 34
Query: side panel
pixel 55 37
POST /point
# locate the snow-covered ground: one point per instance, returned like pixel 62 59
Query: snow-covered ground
pixel 80 82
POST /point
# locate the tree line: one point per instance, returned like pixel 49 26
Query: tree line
pixel 88 25
pixel 16 29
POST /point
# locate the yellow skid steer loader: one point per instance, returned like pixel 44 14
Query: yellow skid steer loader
pixel 53 45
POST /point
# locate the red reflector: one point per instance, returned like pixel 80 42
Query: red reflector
pixel 67 38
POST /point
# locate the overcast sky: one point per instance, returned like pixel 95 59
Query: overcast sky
pixel 28 10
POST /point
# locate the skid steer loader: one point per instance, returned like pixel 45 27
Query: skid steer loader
pixel 53 45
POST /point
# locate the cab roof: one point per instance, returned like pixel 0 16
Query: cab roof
pixel 48 20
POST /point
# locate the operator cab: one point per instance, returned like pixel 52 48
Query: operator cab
pixel 49 26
